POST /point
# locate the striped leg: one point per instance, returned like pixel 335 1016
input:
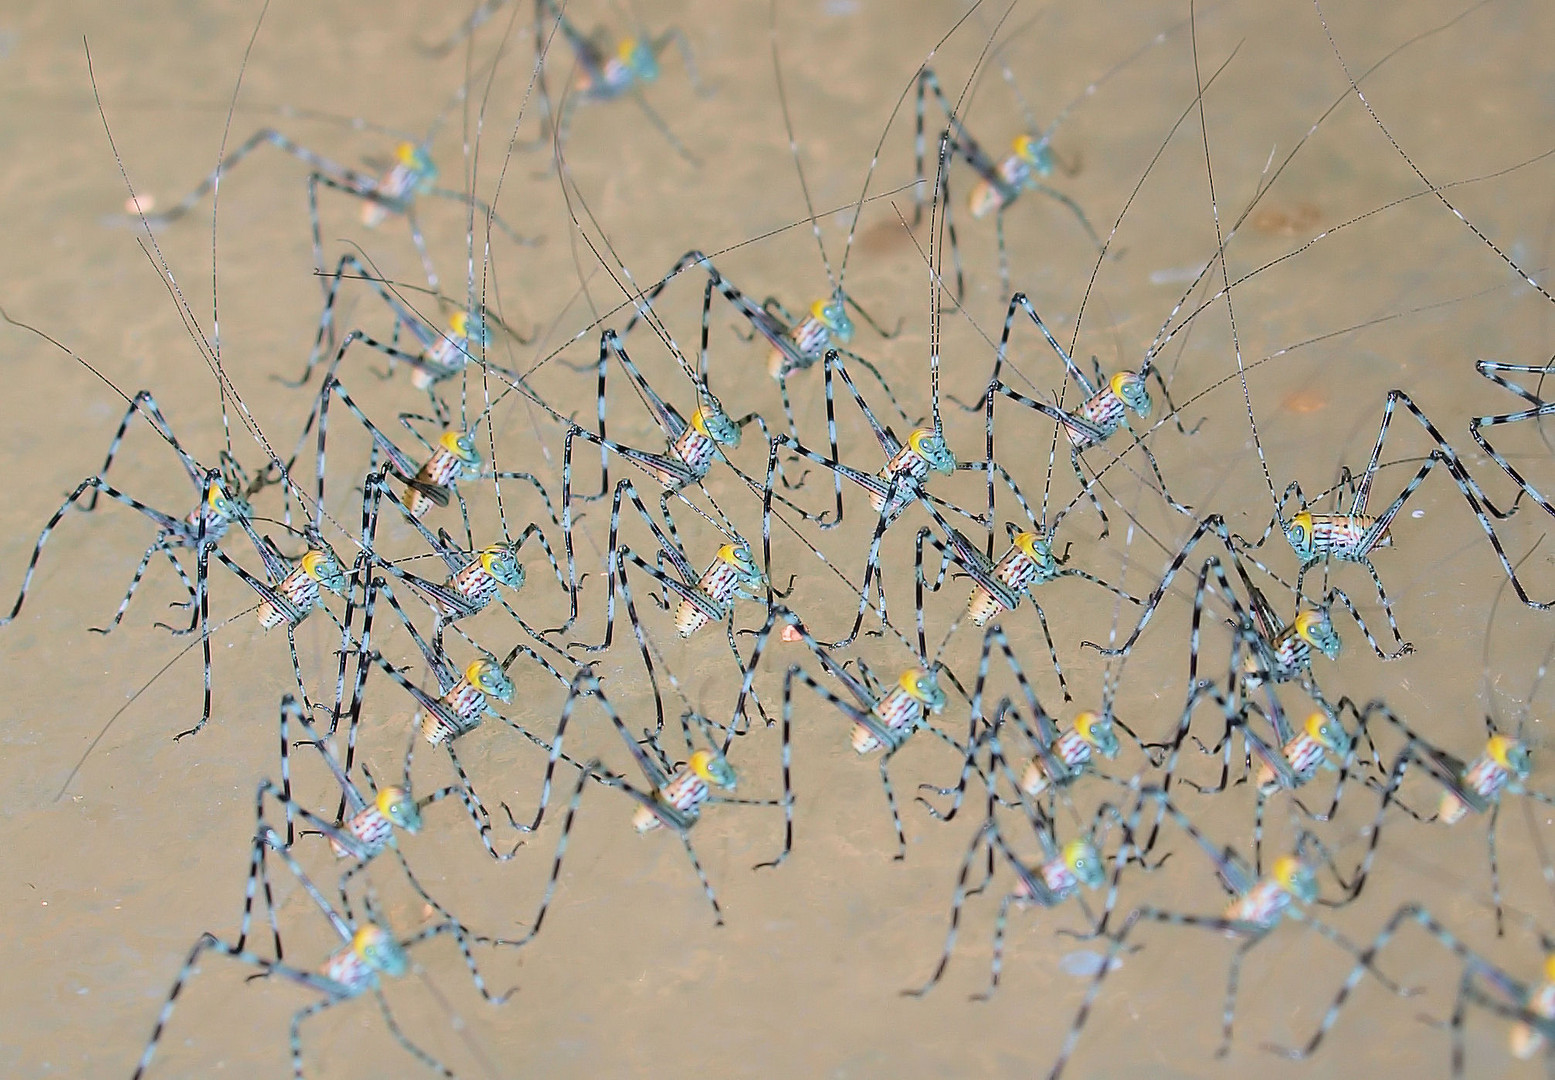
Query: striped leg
pixel 1477 426
pixel 1214 523
pixel 1366 958
pixel 586 773
pixel 584 684
pixel 209 943
pixel 958 899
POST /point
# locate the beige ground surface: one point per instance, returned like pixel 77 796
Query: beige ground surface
pixel 103 891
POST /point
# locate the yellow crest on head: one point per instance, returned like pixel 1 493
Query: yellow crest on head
pixel 1286 869
pixel 477 668
pixel 312 560
pixel 1499 747
pixel 1026 147
pixel 1302 521
pixel 1305 621
pixel 405 153
pixel 1120 380
pixel 1549 968
pixel 1076 850
pixel 387 798
pixel 366 938
pixel 915 440
pixel 699 423
pixel 1314 726
pixel 731 554
pixel 459 323
pixel 627 48
pixel 1027 543
pixel 700 763
pixel 1083 722
pixel 911 681
pixel 214 493
pixel 450 441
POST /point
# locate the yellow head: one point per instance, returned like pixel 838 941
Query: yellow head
pixel 1315 724
pixel 1505 751
pixel 459 445
pixel 397 804
pixel 459 323
pixel 714 768
pixel 313 564
pixel 929 444
pixel 912 681
pixel 405 154
pixel 1295 877
pixel 1031 545
pixel 367 938
pixel 1285 870
pixel 1299 532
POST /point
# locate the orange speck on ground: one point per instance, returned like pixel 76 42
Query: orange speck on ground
pixel 1288 220
pixel 1302 402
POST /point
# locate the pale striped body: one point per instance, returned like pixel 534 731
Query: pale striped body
pixel 685 792
pixel 1071 749
pixel 988 196
pixel 910 469
pixel 1303 753
pixel 1485 778
pixel 371 828
pixel 1340 536
pixel 717 583
pixel 1016 570
pixel 898 712
pixel 1104 409
pixel 299 591
pixel 441 470
pixel 1057 876
pixel 216 523
pixel 616 76
pixel 694 449
pixel 446 358
pixel 1286 658
pixel 475 585
pixel 1262 905
pixel 347 968
pixel 459 711
pixel 393 186
pixel 807 344
pixel 1527 1040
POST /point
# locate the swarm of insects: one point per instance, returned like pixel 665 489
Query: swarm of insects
pixel 840 449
